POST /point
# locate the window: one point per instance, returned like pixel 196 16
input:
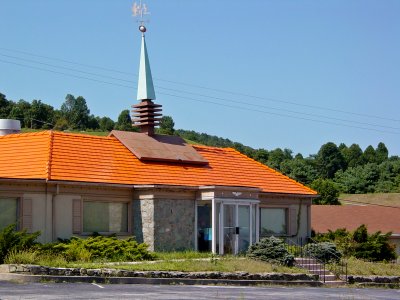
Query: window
pixel 8 211
pixel 105 217
pixel 273 221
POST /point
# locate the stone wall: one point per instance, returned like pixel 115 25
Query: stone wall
pixel 174 225
pixel 164 224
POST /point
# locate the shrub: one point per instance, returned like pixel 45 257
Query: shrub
pixel 272 250
pixel 12 240
pixel 101 247
pixel 361 244
pixel 325 251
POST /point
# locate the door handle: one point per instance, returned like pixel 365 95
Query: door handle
pixel 236 230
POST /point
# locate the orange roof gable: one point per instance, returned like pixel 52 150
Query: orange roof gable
pixel 85 158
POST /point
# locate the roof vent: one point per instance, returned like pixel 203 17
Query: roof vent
pixel 8 126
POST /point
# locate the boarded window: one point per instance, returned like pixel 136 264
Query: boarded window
pixel 76 216
pixel 8 211
pixel 273 221
pixel 108 217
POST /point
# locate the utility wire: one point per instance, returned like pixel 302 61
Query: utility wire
pixel 197 94
pixel 208 88
pixel 204 101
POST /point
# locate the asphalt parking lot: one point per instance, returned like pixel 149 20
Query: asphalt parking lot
pixel 9 290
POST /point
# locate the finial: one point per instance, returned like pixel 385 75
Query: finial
pixel 139 11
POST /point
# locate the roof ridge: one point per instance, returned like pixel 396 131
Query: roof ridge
pixel 49 160
pixel 16 135
pixel 81 135
pixel 273 170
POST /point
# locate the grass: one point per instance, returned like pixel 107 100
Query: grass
pixel 208 265
pixel 359 267
pixel 185 261
pixel 391 199
pixel 182 255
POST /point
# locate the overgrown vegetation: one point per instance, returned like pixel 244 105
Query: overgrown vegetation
pixel 324 251
pixel 360 244
pixel 12 240
pixel 271 250
pixel 359 267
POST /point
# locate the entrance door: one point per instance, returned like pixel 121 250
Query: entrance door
pixel 236 231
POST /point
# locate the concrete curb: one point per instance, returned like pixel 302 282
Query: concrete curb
pixel 22 278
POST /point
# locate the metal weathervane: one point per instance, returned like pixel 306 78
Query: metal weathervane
pixel 139 11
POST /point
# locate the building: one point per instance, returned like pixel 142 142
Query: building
pixel 350 217
pixel 158 188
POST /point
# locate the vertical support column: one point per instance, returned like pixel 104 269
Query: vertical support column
pixel 214 225
pixel 196 247
pixel 257 223
pixel 221 228
pixel 251 224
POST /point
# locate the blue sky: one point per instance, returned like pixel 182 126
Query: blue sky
pixel 268 74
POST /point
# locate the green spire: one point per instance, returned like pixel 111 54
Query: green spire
pixel 145 83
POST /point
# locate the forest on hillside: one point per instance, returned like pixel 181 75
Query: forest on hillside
pixel 332 170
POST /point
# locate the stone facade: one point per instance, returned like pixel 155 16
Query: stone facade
pixel 165 224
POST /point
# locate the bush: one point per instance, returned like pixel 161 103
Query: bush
pixel 12 240
pixel 325 251
pixel 272 250
pixel 101 247
pixel 361 244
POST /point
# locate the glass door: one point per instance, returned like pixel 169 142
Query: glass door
pixel 243 224
pixel 229 230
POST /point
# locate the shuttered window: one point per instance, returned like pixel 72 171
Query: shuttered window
pixel 8 211
pixel 105 217
pixel 273 221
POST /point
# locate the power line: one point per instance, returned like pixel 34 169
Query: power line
pixel 191 93
pixel 204 101
pixel 208 88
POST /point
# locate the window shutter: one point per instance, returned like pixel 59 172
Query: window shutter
pixel 292 221
pixel 76 216
pixel 27 214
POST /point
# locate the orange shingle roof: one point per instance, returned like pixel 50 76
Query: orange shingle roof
pixel 376 218
pixel 85 158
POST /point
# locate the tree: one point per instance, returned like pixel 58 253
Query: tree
pixel 381 153
pixel 299 169
pixel 358 180
pixel 124 121
pixel 93 123
pixel 329 160
pixel 76 112
pixel 5 106
pixel 106 124
pixel 369 155
pixel 352 155
pixel 20 111
pixel 277 156
pixel 167 126
pixel 328 191
pixel 40 115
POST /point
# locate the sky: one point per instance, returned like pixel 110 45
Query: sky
pixel 288 74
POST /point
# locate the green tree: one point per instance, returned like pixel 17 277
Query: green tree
pixel 358 180
pixel 20 111
pixel 40 115
pixel 277 156
pixel 166 126
pixel 93 123
pixel 352 155
pixel 106 124
pixel 381 153
pixel 124 121
pixel 299 169
pixel 329 160
pixel 328 191
pixel 76 112
pixel 5 106
pixel 369 155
